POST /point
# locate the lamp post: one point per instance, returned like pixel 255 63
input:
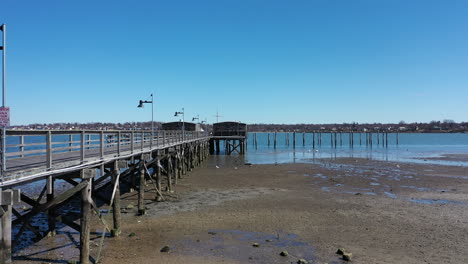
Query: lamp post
pixel 3 48
pixel 141 105
pixel 183 121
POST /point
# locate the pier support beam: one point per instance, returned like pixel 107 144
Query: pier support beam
pixel 7 199
pixel 116 217
pixel 141 191
pixel 86 175
pixel 50 212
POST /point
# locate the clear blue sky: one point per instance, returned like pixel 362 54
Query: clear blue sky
pixel 268 61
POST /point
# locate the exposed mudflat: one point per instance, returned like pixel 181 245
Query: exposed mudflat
pixel 382 212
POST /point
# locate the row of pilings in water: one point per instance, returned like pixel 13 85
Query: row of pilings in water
pixel 336 138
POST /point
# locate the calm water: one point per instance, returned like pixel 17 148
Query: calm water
pixel 412 147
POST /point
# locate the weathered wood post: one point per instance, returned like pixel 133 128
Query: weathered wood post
pixel 268 139
pixel 141 191
pixel 397 138
pixel 294 139
pixel 313 140
pixel 50 212
pixel 176 167
pixel 274 141
pixel 211 146
pixel 158 176
pixel 86 176
pixel 7 199
pixel 303 139
pixel 116 217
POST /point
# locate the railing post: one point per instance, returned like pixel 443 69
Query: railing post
pixel 88 143
pixel 49 149
pixel 164 138
pixel 70 145
pixel 82 144
pixel 101 144
pixel 151 141
pixel 118 143
pixel 22 146
pixel 142 139
pixel 3 154
pixel 157 139
pixel 132 143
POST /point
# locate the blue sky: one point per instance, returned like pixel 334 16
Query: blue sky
pixel 256 61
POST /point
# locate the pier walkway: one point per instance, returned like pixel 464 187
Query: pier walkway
pixel 94 164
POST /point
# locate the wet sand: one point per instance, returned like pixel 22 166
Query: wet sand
pixel 382 212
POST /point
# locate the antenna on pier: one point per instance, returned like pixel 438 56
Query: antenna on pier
pixel 217 116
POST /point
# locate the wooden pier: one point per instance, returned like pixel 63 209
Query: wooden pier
pixel 95 164
pixel 233 134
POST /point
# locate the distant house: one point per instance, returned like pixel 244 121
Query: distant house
pixel 402 128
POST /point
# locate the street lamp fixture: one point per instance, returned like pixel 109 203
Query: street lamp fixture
pixel 141 105
pixel 196 118
pixel 183 121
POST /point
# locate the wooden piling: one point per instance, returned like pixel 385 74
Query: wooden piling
pixel 313 140
pixel 86 175
pixel 5 229
pixel 294 139
pixel 158 176
pixel 116 217
pixel 50 212
pixel 274 141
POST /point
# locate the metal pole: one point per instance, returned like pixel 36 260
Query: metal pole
pixel 183 123
pixel 3 28
pixel 3 47
pixel 152 120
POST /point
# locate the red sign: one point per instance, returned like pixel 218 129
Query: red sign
pixel 4 116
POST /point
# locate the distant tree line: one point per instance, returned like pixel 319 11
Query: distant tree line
pixel 445 126
pixel 402 126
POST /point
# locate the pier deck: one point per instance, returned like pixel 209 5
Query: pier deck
pixel 95 164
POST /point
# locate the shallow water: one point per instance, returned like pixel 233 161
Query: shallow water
pixel 414 147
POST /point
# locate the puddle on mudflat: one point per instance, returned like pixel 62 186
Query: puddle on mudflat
pixel 421 189
pixel 238 245
pixel 435 201
pixel 391 195
pixel 320 175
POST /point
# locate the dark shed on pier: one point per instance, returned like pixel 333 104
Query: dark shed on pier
pixel 178 126
pixel 229 129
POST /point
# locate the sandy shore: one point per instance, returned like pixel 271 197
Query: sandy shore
pixel 382 212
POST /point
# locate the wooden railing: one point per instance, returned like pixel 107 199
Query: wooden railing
pixel 82 144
